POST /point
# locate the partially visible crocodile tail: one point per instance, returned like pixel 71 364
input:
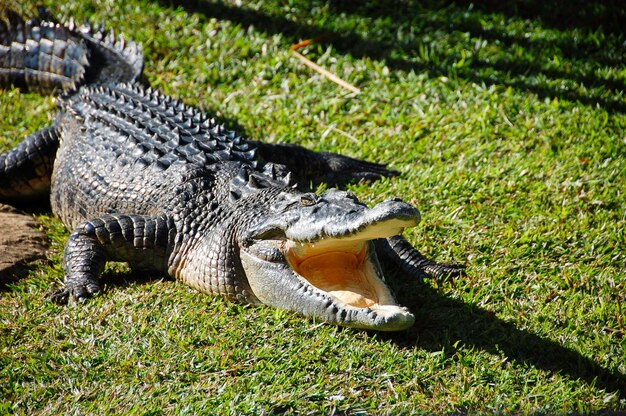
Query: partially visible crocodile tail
pixel 43 54
pixel 112 58
pixel 40 54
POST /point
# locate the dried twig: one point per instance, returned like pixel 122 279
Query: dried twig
pixel 319 69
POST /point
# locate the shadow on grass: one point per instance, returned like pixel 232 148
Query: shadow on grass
pixel 441 322
pixel 525 63
pixel 582 14
pixel 12 275
pixel 112 280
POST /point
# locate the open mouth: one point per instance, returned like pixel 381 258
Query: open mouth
pixel 321 262
pixel 341 272
pixel 345 268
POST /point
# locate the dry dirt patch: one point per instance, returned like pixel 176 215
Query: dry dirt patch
pixel 20 242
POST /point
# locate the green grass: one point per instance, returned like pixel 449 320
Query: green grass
pixel 508 124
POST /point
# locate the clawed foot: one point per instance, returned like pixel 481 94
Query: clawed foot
pixel 345 169
pixel 80 291
pixel 444 270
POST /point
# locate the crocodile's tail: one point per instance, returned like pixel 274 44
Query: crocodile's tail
pixel 113 58
pixel 42 54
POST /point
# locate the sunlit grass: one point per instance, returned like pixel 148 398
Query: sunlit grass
pixel 510 134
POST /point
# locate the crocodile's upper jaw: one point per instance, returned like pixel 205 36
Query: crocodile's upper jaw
pixel 336 279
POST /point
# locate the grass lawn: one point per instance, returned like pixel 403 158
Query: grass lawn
pixel 508 125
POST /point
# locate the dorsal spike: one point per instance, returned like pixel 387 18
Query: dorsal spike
pixel 110 37
pixel 250 154
pixel 234 196
pixel 121 42
pixel 287 179
pixel 224 154
pixel 254 183
pixel 243 174
pixel 270 170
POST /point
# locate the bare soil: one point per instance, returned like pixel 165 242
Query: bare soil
pixel 21 242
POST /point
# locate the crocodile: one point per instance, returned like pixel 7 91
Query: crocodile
pixel 140 177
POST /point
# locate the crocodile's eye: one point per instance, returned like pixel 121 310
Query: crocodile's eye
pixel 307 200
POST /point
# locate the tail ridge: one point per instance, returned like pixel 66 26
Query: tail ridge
pixel 44 54
pixel 113 57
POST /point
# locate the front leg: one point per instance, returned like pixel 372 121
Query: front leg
pixel 399 252
pixel 144 242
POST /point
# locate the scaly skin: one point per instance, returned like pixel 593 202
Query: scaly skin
pixel 145 179
pixel 28 167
